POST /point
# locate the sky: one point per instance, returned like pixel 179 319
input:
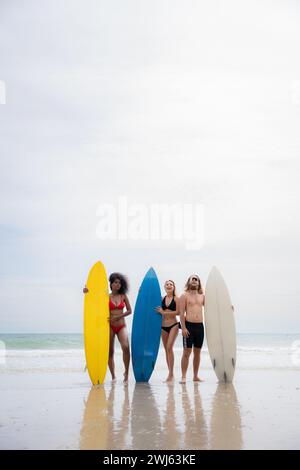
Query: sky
pixel 154 103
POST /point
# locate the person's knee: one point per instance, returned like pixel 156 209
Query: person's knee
pixel 125 348
pixel 169 348
pixel 111 353
pixel 187 353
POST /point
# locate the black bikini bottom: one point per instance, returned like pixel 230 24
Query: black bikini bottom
pixel 167 329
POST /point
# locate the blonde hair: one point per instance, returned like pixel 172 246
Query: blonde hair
pixel 174 291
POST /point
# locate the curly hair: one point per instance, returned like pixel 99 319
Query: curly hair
pixel 123 280
pixel 187 285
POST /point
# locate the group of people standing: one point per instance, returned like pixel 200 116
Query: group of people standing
pixel 189 307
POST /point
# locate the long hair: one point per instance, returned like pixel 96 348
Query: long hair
pixel 123 280
pixel 174 291
pixel 187 285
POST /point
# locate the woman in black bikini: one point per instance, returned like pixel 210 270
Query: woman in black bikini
pixel 170 325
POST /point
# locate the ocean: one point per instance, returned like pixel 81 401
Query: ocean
pixel 65 352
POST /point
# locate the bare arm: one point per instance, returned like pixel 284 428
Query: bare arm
pixel 128 309
pixel 182 308
pixel 171 313
pixel 168 312
pixel 185 332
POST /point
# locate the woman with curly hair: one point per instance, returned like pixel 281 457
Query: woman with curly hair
pixel 118 300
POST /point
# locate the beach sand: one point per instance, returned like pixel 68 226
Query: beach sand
pixel 57 410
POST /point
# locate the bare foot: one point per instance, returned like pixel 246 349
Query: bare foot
pixel 169 379
pixel 197 379
pixel 125 381
pixel 114 379
pixel 183 381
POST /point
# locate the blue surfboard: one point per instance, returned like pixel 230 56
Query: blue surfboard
pixel 146 328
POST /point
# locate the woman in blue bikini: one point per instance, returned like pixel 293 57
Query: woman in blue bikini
pixel 170 326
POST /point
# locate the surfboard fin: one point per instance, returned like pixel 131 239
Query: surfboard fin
pixel 225 377
pixel 214 363
pixel 233 362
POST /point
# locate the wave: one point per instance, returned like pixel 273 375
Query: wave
pixel 11 353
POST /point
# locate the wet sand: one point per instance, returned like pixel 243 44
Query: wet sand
pixel 62 411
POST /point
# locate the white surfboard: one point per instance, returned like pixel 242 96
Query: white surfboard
pixel 220 326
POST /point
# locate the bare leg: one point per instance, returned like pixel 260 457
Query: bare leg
pixel 111 362
pixel 196 364
pixel 171 340
pixel 185 363
pixel 123 338
pixel 164 338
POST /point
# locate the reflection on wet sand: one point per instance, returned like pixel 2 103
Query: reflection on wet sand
pixel 170 433
pixel 162 418
pixel 118 428
pixel 94 433
pixel 101 429
pixel 145 419
pixel 195 434
pixel 225 426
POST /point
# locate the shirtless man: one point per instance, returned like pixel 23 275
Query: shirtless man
pixel 191 319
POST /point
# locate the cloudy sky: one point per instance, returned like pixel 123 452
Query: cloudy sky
pixel 157 102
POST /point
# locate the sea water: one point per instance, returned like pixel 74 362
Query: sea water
pixel 65 352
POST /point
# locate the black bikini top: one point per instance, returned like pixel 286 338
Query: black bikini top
pixel 172 305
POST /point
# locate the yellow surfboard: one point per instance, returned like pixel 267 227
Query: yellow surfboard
pixel 96 324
